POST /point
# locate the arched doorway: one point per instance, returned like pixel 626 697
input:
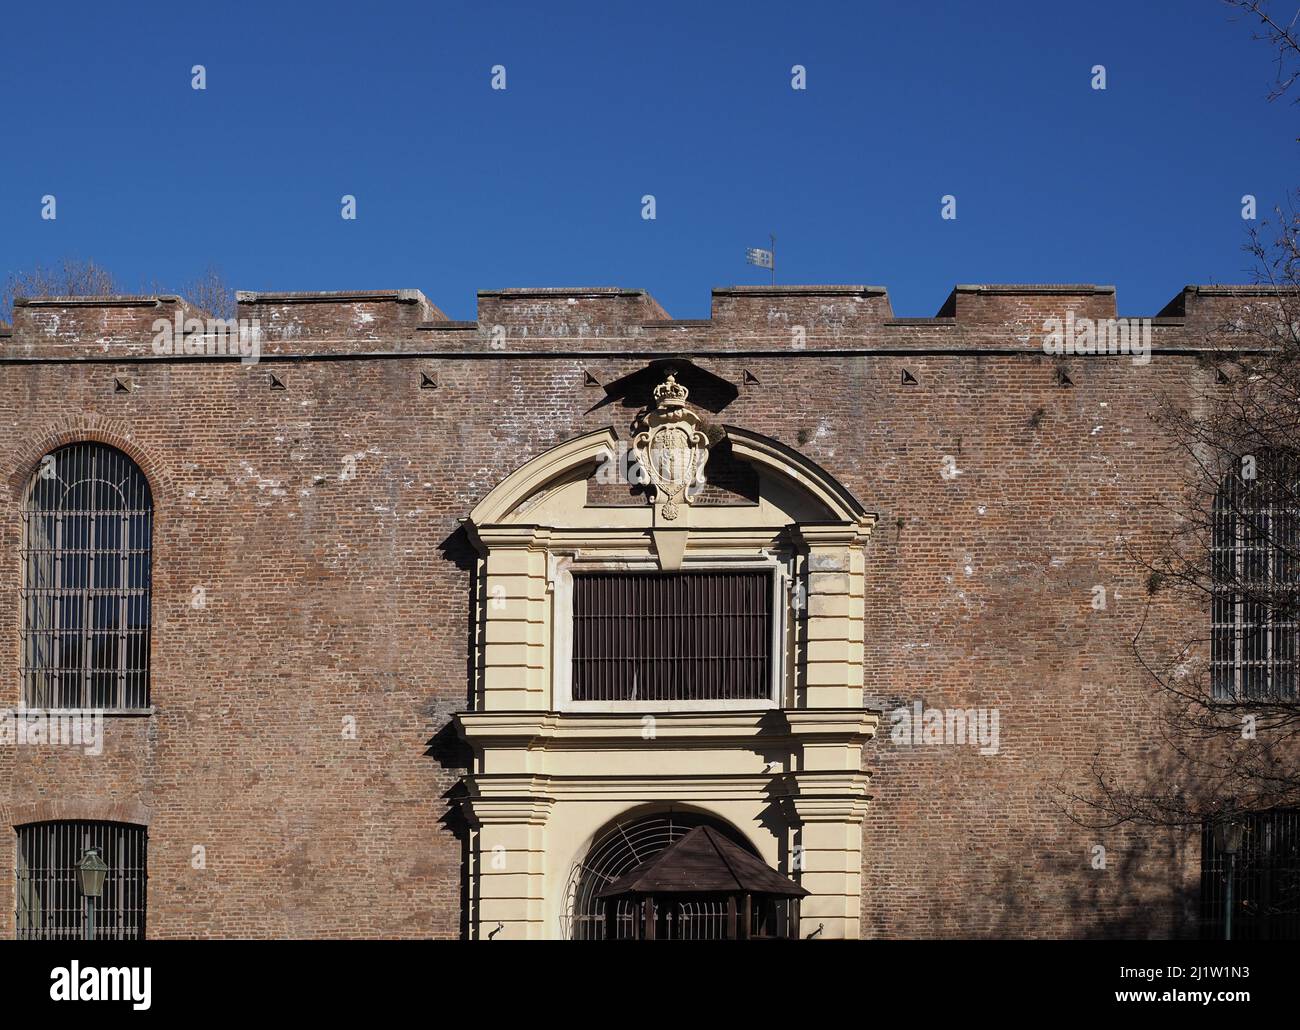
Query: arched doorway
pixel 618 849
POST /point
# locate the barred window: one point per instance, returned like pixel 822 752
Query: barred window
pixel 680 636
pixel 50 903
pixel 87 540
pixel 1256 574
pixel 1265 879
pixel 621 847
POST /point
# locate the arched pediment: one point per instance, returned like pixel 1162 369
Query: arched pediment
pixel 560 464
pixel 805 475
pixel 820 497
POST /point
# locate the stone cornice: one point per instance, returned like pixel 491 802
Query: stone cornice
pixel 508 801
pixel 832 534
pixel 555 730
pixel 831 807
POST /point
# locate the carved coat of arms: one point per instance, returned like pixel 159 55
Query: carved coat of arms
pixel 671 448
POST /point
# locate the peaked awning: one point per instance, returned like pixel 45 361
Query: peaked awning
pixel 704 861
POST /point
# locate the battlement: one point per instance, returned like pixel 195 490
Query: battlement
pixel 606 319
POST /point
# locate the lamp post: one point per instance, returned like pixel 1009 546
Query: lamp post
pixel 1228 836
pixel 90 875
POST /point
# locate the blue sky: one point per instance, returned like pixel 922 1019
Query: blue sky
pixel 460 187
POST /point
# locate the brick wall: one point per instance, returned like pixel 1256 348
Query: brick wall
pixel 321 521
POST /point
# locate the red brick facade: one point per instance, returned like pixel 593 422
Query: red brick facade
pixel 321 522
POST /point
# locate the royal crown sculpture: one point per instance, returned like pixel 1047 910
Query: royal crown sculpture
pixel 670 448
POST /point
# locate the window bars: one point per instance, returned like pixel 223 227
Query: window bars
pixel 1266 879
pixel 688 636
pixel 1255 572
pixel 50 903
pixel 620 849
pixel 86 552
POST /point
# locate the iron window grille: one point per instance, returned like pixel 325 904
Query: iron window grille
pixel 50 903
pixel 86 553
pixel 680 636
pixel 624 846
pixel 1266 879
pixel 702 918
pixel 1255 575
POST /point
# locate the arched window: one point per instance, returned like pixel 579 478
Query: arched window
pixel 51 904
pixel 87 540
pixel 623 846
pixel 1254 569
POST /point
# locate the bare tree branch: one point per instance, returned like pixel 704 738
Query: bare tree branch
pixel 76 278
pixel 73 278
pixel 1282 37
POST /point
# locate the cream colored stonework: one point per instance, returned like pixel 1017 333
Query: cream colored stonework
pixel 548 773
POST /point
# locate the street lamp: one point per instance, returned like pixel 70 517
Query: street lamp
pixel 1228 837
pixel 90 874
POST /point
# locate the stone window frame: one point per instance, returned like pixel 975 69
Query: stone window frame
pixel 525 553
pixel 780 679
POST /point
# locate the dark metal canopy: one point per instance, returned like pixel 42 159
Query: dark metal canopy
pixel 704 862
